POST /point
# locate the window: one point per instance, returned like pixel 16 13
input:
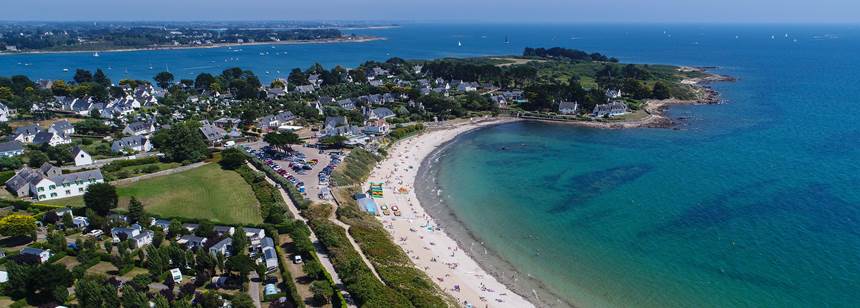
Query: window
pixel 52 187
pixel 41 189
pixel 53 195
pixel 41 196
pixel 81 189
pixel 68 192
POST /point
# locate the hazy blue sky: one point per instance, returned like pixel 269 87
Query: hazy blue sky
pixel 440 10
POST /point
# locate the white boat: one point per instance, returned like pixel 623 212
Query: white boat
pixel 459 44
pixel 96 54
pixel 65 70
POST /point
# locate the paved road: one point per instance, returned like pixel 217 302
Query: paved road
pixel 101 162
pixel 320 249
pixel 254 288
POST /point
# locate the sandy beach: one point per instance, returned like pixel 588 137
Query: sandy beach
pixel 429 247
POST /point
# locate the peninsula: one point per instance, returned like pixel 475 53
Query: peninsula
pixel 210 169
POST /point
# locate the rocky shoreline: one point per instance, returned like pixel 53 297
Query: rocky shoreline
pixel 656 109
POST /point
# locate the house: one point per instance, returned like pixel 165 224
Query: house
pixel 141 240
pixel 26 134
pixel 376 83
pixel 51 138
pixel 568 107
pixel 163 224
pixel 347 104
pixel 82 158
pixel 48 182
pixel 267 246
pixel 276 92
pixel 139 128
pixel 224 230
pixel 213 134
pixel 224 247
pixel 41 255
pixel 305 89
pixel 226 123
pixel 332 122
pixel 190 227
pixel 5 113
pixel 467 87
pixel 609 110
pixel 515 96
pixel 191 241
pixel 255 234
pixel 499 101
pixel 613 93
pixel 138 144
pixel 376 127
pixel 62 127
pixel 378 113
pixel 120 233
pixel 11 149
pixel 272 122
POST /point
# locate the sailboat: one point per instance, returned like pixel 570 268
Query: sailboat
pixel 96 54
pixel 459 44
pixel 506 40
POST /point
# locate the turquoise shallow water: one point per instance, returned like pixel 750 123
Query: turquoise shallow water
pixel 751 203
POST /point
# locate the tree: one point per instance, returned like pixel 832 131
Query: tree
pixel 101 198
pixel 44 283
pixel 313 270
pixel 204 81
pixel 240 242
pixel 336 141
pixel 282 141
pixel 242 300
pixel 175 228
pixel 204 229
pixel 101 79
pixel 241 264
pixel 210 299
pixel 82 76
pixel 660 91
pixel 10 163
pixel 92 291
pixel 163 79
pixel 181 143
pixel 297 77
pixel 322 291
pixel 68 221
pixel 18 225
pixel 135 210
pixel 37 159
pixel 232 159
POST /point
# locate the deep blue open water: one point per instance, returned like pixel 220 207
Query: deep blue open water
pixel 752 203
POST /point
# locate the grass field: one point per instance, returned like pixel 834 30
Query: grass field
pixel 206 192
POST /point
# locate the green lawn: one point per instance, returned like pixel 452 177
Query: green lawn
pixel 206 192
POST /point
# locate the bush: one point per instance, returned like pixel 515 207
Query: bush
pixel 355 168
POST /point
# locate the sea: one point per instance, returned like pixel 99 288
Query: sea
pixel 751 203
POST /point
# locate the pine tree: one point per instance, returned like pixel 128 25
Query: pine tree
pixel 135 210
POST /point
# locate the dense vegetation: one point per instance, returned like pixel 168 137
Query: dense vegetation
pixel 78 36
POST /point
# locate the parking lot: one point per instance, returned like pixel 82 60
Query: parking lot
pixel 306 167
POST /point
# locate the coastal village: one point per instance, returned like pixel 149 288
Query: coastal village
pixel 224 191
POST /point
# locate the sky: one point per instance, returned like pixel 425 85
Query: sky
pixel 502 11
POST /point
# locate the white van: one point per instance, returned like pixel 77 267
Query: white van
pixel 297 259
